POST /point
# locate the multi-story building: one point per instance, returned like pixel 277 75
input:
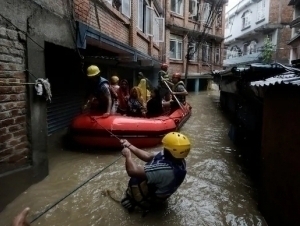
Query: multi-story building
pixel 249 23
pixel 295 31
pixel 186 21
pixel 121 37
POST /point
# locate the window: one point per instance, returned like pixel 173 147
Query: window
pixel 141 15
pixel 246 49
pixel 234 52
pixel 217 55
pixel 261 6
pixel 204 13
pixel 206 52
pixel 145 17
pixel 126 8
pixel 177 6
pixel 193 51
pixel 158 29
pixel 252 47
pixel 245 20
pixel 176 47
pixel 193 8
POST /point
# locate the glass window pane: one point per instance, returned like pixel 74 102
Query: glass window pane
pixel 172 49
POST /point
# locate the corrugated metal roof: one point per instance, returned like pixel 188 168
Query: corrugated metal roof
pixel 284 78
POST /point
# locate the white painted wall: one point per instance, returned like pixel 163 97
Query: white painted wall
pixel 235 29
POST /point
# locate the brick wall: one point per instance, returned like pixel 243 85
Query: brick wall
pixel 280 12
pixel 108 20
pixel 13 137
pixel 142 44
pixel 185 22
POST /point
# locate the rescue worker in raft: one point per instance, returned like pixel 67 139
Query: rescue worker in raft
pixel 178 90
pixel 101 91
pixel 160 177
pixel 163 76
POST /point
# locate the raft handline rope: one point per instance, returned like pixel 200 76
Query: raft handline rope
pixel 74 190
pixel 82 184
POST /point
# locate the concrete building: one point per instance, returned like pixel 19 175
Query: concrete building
pixel 35 42
pixel 185 23
pixel 295 30
pixel 249 23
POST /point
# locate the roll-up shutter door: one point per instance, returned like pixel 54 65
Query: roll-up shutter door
pixel 67 86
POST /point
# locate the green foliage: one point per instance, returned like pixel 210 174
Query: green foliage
pixel 267 51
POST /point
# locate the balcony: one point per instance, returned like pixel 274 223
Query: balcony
pixel 267 28
pixel 295 23
pixel 245 59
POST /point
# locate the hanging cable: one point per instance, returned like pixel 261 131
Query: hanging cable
pixel 74 190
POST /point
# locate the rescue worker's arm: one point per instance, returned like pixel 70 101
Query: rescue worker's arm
pixel 181 91
pixel 141 154
pixel 109 105
pixel 132 169
pixel 89 100
pixel 107 94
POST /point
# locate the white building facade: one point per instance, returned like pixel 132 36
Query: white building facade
pixel 247 25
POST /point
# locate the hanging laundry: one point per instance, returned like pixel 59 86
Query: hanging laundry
pixel 43 87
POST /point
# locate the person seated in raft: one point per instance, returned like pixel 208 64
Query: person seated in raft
pixel 161 176
pixel 178 91
pixel 136 105
pixel 148 83
pixel 154 105
pixel 144 91
pixel 114 87
pixel 166 104
pixel 123 97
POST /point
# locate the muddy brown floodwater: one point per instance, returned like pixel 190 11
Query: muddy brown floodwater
pixel 215 192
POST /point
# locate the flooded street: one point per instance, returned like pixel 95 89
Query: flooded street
pixel 215 192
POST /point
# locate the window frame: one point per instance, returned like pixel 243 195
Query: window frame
pixel 123 8
pixel 193 8
pixel 156 29
pixel 177 39
pixel 178 9
pixel 246 18
pixel 261 8
pixel 194 56
pixel 207 47
pixel 218 53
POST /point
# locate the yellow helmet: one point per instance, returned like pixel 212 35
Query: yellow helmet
pixel 92 71
pixel 114 79
pixel 177 144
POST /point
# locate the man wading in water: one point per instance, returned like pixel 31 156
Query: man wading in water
pixel 160 177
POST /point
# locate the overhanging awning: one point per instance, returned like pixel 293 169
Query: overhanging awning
pixel 87 35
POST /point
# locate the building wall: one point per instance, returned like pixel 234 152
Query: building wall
pixel 234 18
pixel 280 196
pixel 105 18
pixel 274 25
pixel 14 144
pixel 189 26
pixel 23 115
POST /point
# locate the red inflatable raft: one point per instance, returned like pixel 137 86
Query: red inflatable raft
pixel 93 131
